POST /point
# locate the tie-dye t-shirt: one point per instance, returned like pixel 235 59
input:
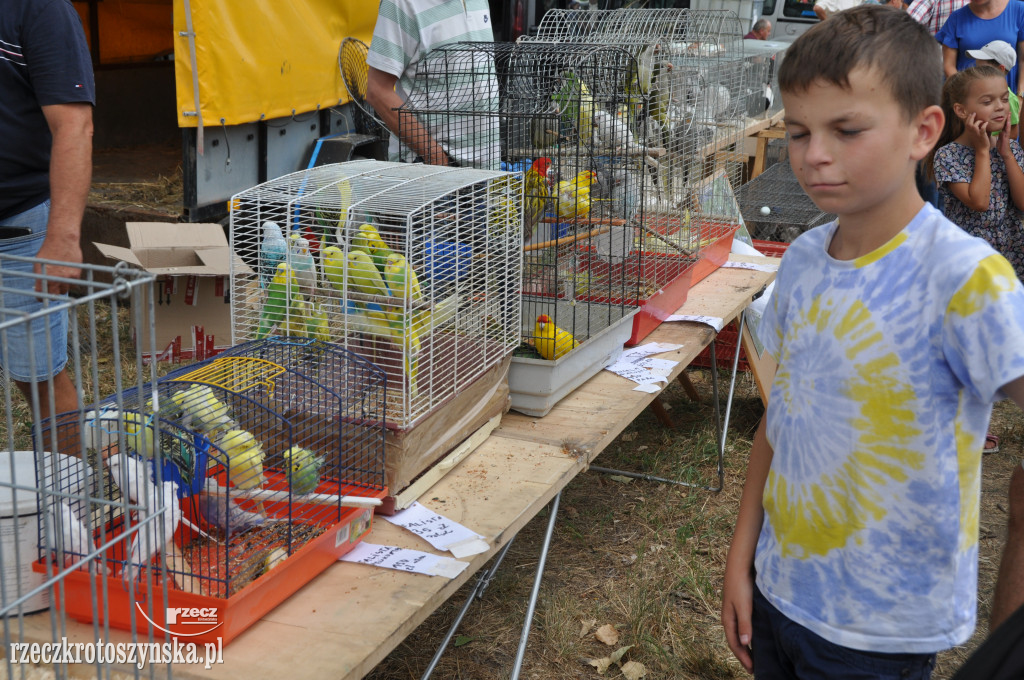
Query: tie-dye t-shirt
pixel 888 367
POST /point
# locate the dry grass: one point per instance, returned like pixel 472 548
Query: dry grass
pixel 648 558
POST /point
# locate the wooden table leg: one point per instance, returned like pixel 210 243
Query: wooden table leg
pixel 658 409
pixel 688 387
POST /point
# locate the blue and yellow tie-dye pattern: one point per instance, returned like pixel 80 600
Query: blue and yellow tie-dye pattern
pixel 888 366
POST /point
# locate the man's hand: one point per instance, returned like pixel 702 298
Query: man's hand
pixel 65 250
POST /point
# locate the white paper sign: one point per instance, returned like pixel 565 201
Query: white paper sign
pixel 712 321
pixel 751 265
pixel 649 388
pixel 639 366
pixel 404 559
pixel 439 531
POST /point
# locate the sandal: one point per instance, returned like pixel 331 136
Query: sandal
pixel 991 444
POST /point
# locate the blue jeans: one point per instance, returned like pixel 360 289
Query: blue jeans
pixel 785 649
pixel 49 332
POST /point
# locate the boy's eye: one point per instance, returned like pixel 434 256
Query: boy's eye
pixel 849 133
pixel 796 135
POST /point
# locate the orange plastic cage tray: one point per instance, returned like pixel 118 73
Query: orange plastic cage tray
pixel 209 618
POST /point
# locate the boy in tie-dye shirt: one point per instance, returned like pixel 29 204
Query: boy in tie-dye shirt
pixel 855 551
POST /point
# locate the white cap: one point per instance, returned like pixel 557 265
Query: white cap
pixel 998 51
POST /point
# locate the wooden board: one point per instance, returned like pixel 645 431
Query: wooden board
pixel 344 622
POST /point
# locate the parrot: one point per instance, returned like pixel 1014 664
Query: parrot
pixel 279 291
pixel 202 410
pixel 536 193
pixel 296 322
pixel 573 196
pixel 363 275
pixel 576 104
pixel 332 262
pixel 661 94
pixel 400 277
pixel 638 79
pixel 139 434
pixel 375 246
pixel 303 265
pixel 303 470
pixel 273 250
pixel 130 475
pixel 72 540
pixel 317 324
pixel 544 128
pixel 344 203
pixel 612 132
pixel 551 341
pixel 244 458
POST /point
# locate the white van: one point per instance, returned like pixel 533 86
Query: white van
pixel 789 18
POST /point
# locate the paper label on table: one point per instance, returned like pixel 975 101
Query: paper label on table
pixel 649 388
pixel 438 531
pixel 404 559
pixel 642 368
pixel 751 265
pixel 712 321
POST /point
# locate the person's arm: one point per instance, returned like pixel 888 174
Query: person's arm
pixel 1014 173
pixel 948 60
pixel 381 95
pixel 819 11
pixel 1020 72
pixel 70 178
pixel 977 194
pixel 738 589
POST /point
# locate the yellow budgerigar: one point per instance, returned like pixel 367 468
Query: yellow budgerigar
pixel 573 195
pixel 551 341
pixel 202 410
pixel 244 457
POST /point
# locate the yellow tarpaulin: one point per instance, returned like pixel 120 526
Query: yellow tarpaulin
pixel 263 59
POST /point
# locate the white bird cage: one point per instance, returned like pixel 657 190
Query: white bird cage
pixel 514 104
pixel 763 58
pixel 440 314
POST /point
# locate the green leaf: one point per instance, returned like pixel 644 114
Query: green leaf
pixel 463 640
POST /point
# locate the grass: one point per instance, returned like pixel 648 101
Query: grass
pixel 648 559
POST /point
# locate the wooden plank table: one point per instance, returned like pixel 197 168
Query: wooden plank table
pixel 344 622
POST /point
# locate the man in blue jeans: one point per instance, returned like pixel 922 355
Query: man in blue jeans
pixel 45 171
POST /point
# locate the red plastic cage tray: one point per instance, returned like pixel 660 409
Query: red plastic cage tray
pixel 672 294
pixel 203 618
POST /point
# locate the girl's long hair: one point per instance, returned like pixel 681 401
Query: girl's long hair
pixel 955 91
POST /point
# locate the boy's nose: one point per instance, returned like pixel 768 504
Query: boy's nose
pixel 818 151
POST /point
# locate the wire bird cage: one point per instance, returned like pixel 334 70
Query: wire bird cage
pixel 415 268
pixel 690 101
pixel 49 534
pixel 790 211
pixel 563 121
pixel 268 458
pixel 762 59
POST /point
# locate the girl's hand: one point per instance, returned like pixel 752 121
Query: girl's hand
pixel 737 609
pixel 977 133
pixel 1003 140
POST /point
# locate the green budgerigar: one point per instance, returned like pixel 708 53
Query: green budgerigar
pixel 576 104
pixel 363 276
pixel 303 468
pixel 375 246
pixel 279 291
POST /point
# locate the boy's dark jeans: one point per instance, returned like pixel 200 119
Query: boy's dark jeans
pixel 786 650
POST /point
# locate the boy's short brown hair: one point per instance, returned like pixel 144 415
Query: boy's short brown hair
pixel 886 39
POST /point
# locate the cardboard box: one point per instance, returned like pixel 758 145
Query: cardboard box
pixel 193 265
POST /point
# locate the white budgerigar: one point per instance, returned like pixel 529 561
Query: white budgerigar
pixel 132 477
pixel 273 250
pixel 70 534
pixel 303 264
pixel 612 132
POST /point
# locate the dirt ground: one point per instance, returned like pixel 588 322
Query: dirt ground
pixel 646 559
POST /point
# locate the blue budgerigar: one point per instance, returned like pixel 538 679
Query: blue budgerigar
pixel 273 251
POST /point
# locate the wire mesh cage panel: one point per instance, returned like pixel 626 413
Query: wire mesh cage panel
pixel 790 211
pixel 268 457
pixel 762 59
pixel 52 533
pixel 690 99
pixel 414 267
pixel 560 116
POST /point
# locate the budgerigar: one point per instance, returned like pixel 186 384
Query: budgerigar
pixel 332 262
pixel 202 410
pixel 375 246
pixel 536 194
pixel 576 104
pixel 612 132
pixel 278 293
pixel 318 325
pixel 303 265
pixel 72 540
pixel 425 320
pixel 296 321
pixel 303 468
pixel 573 195
pixel 245 458
pixel 551 341
pixel 273 250
pixel 363 276
pixel 661 97
pixel 401 278
pixel 138 434
pixel 344 203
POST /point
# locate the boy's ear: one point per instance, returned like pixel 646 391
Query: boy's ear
pixel 927 128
